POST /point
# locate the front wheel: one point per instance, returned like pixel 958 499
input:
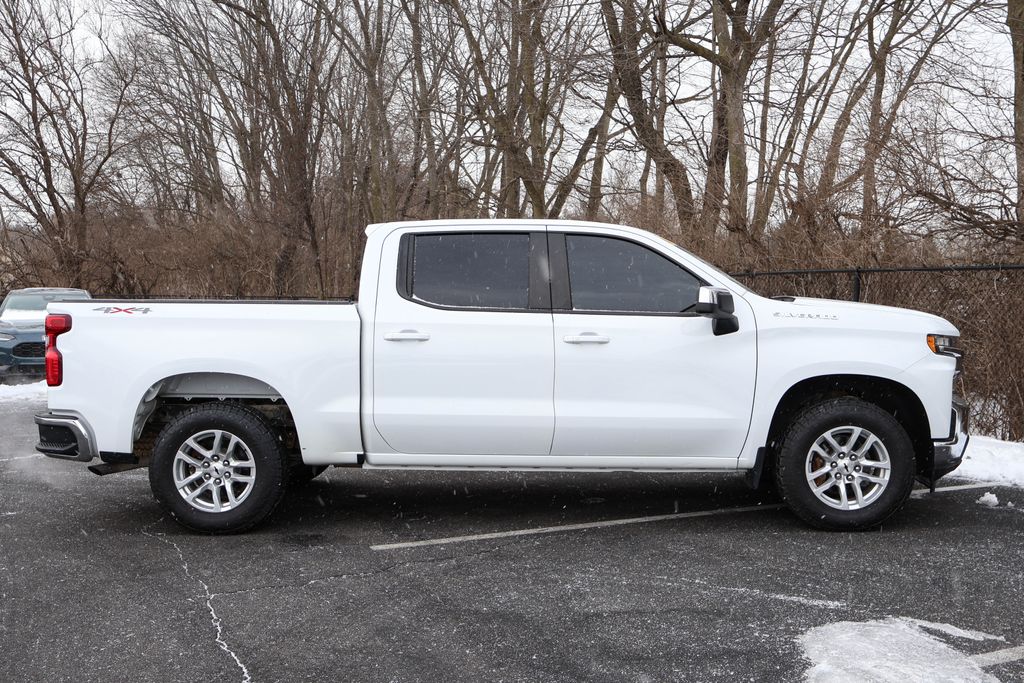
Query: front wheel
pixel 218 468
pixel 845 464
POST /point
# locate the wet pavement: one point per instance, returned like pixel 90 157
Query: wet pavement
pixel 96 584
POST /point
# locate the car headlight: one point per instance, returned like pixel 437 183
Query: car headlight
pixel 947 345
pixel 6 337
pixel 944 344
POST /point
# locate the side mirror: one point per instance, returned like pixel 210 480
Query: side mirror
pixel 716 303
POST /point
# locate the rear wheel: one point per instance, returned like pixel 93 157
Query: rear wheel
pixel 218 468
pixel 845 464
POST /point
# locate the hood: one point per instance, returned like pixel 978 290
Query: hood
pixel 11 326
pixel 855 309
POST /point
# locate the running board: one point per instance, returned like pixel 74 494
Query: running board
pixel 113 468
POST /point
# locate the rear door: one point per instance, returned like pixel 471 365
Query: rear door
pixel 463 360
pixel 637 372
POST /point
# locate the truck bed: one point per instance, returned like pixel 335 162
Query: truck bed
pixel 119 352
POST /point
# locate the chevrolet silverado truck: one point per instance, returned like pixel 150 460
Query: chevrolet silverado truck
pixel 525 345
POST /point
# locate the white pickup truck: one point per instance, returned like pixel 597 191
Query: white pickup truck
pixel 509 345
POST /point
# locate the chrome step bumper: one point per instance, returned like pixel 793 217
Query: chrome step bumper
pixel 66 437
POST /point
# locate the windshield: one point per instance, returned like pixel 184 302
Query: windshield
pixel 33 306
pixel 724 275
pixel 714 269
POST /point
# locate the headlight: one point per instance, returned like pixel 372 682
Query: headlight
pixel 946 345
pixel 6 337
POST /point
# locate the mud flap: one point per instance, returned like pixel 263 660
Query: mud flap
pixel 754 474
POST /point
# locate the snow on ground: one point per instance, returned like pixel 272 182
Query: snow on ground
pixel 986 459
pixel 894 649
pixel 23 392
pixel 989 500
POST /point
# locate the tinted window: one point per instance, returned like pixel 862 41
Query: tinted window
pixel 607 274
pixel 472 270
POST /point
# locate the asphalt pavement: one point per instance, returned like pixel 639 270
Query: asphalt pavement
pixel 449 576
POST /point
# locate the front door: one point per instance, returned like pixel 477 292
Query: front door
pixel 637 373
pixel 462 352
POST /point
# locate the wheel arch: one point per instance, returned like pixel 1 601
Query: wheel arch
pixel 894 397
pixel 173 394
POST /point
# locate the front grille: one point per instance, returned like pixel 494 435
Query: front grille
pixel 30 350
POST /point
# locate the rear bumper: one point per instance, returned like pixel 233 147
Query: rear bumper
pixel 949 453
pixel 66 437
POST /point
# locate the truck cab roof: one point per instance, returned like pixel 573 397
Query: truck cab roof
pixel 50 290
pixel 469 223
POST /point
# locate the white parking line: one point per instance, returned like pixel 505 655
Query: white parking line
pixel 1010 654
pixel 920 493
pixel 571 527
pixel 810 602
pixel 619 522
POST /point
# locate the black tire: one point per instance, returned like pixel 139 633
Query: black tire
pixel 791 475
pixel 270 472
pixel 300 474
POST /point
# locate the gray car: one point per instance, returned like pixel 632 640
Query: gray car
pixel 22 316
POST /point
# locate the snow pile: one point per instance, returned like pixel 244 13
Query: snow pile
pixel 992 460
pixel 23 392
pixel 989 500
pixel 894 649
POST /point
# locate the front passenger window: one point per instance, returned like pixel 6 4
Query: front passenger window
pixel 610 274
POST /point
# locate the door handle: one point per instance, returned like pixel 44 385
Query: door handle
pixel 586 338
pixel 406 335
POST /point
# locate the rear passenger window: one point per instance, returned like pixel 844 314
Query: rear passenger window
pixel 472 270
pixel 608 274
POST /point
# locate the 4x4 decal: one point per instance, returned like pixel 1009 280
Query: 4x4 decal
pixel 131 310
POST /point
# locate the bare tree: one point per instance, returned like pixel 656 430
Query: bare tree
pixel 736 41
pixel 624 33
pixel 271 132
pixel 57 134
pixel 1015 22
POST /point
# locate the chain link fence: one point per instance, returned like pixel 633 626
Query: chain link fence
pixel 986 303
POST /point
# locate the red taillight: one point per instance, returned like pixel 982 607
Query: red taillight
pixel 56 325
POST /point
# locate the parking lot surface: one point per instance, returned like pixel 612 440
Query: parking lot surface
pixel 443 576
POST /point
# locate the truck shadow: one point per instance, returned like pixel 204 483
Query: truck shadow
pixel 509 499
